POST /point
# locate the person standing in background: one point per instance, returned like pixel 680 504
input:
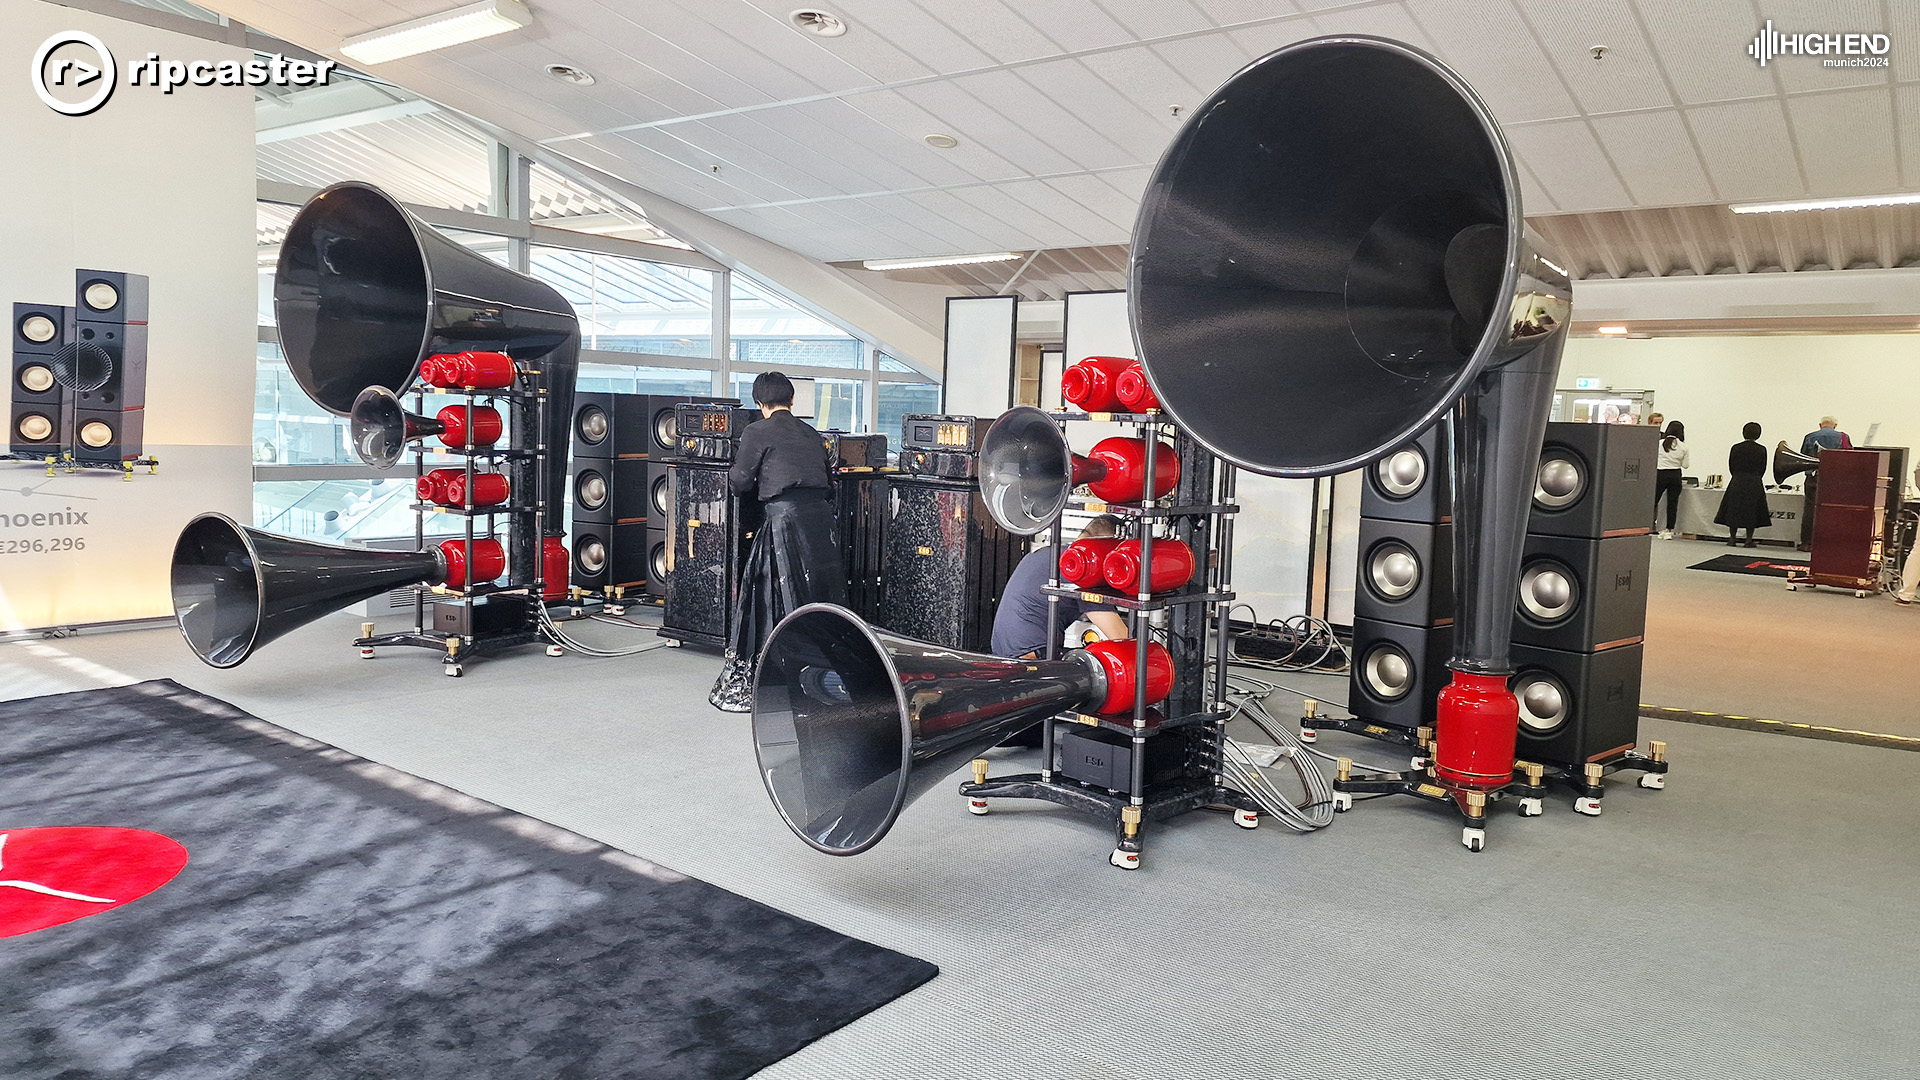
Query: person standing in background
pixel 1673 461
pixel 1744 506
pixel 1654 420
pixel 1827 436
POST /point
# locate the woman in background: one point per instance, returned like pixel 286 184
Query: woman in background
pixel 1744 506
pixel 1673 461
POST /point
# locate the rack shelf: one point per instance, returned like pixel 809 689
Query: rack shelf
pixel 1180 597
pixel 1131 510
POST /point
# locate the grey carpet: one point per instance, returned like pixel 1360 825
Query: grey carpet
pixel 1752 921
pixel 338 918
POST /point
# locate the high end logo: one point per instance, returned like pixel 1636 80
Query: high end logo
pixel 75 74
pixel 56 875
pixel 1840 50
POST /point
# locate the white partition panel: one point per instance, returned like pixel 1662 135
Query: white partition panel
pixel 1095 325
pixel 1343 546
pixel 980 355
pixel 1272 544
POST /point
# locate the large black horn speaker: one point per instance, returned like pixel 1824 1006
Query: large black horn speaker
pixel 1788 463
pixel 235 588
pixel 852 723
pixel 1330 255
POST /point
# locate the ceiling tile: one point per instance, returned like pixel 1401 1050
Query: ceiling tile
pixel 1703 50
pixel 1748 150
pixel 1534 197
pixel 1075 24
pixel 1569 161
pixel 1906 111
pixel 1385 20
pixel 1260 39
pixel 1147 81
pixel 1063 127
pixel 1099 197
pixel 1206 62
pixel 769 39
pixel 1846 141
pixel 909 28
pixel 994 231
pixel 885 160
pixel 1629 77
pixel 971 120
pixel 955 236
pixel 1157 18
pixel 1489 45
pixel 1798 73
pixel 1656 155
pixel 882 59
pixel 1904 28
pixel 1067 212
pixel 1078 90
pixel 993 28
pixel 1232 12
pixel 971 160
pixel 1037 227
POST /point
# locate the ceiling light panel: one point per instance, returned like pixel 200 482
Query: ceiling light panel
pixel 940 260
pixel 1848 203
pixel 449 28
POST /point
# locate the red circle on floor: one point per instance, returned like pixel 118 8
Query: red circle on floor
pixel 56 875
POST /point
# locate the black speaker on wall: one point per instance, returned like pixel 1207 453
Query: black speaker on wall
pixel 104 367
pixel 40 420
pixel 1406 572
pixel 1582 595
pixel 1595 480
pixel 1411 483
pixel 1576 707
pixel 1398 672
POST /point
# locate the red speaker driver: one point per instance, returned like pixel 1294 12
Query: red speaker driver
pixel 1080 561
pixel 554 565
pixel 489 489
pixel 1117 657
pixel 1090 384
pixel 1125 461
pixel 1173 565
pixel 485 420
pixel 489 562
pixel 1134 391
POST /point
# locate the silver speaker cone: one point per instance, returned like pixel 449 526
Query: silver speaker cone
pixel 36 378
pixel 38 329
pixel 1543 701
pixel 666 431
pixel 1402 473
pixel 1559 484
pixel 662 496
pixel 1547 591
pixel 592 555
pixel 34 428
pixel 96 433
pixel 657 558
pixel 1393 570
pixel 591 423
pixel 100 296
pixel 1388 671
pixel 590 491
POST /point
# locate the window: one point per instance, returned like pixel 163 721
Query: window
pixel 839 404
pixel 630 305
pixel 599 378
pixel 346 510
pixel 768 329
pixel 898 399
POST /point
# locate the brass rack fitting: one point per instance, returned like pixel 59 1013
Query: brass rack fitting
pixel 1535 774
pixel 1343 769
pixel 1130 820
pixel 1657 750
pixel 366 629
pixel 1596 772
pixel 453 646
pixel 1476 804
pixel 1313 708
pixel 980 766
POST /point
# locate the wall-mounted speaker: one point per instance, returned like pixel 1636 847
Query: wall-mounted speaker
pixel 104 367
pixel 1582 595
pixel 1406 572
pixel 1595 480
pixel 40 419
pixel 1411 482
pixel 1576 707
pixel 1398 672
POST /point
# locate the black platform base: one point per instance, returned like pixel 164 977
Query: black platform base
pixel 1162 801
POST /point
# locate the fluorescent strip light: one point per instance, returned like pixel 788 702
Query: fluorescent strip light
pixel 456 27
pixel 1612 330
pixel 1827 204
pixel 939 260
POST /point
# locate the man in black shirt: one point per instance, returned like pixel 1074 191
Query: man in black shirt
pixel 795 559
pixel 1020 624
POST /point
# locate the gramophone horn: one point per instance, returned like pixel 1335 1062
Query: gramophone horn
pixel 1788 464
pixel 852 723
pixel 235 588
pixel 380 427
pixel 1027 471
pixel 1330 255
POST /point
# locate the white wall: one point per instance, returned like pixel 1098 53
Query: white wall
pixel 154 184
pixel 1716 384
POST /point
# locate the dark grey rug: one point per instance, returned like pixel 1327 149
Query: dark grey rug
pixel 1761 565
pixel 337 918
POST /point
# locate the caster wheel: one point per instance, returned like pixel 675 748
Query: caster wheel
pixel 1588 805
pixel 1342 802
pixel 1791 587
pixel 366 654
pixel 1420 764
pixel 1308 735
pixel 555 650
pixel 1860 593
pixel 452 671
pixel 976 806
pixel 616 612
pixel 1246 819
pixel 673 643
pixel 1531 807
pixel 1124 859
pixel 1474 839
pixel 1656 781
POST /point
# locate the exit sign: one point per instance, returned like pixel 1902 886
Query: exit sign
pixel 1588 382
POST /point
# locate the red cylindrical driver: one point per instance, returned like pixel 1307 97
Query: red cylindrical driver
pixel 489 562
pixel 472 371
pixel 1089 384
pixel 1475 731
pixel 554 566
pixel 432 485
pixel 1081 560
pixel 1134 391
pixel 434 370
pixel 489 489
pixel 1117 657
pixel 1172 566
pixel 486 424
pixel 1125 463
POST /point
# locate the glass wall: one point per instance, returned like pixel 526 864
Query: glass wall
pixel 897 399
pixel 600 378
pixel 630 305
pixel 838 404
pixel 767 328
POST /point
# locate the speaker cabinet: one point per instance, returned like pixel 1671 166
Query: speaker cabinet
pixel 593 425
pixel 1595 480
pixel 108 434
pixel 1582 595
pixel 860 501
pixel 1411 483
pixel 1406 572
pixel 1398 672
pixel 591 545
pixel 104 367
pixel 631 501
pixel 947 563
pixel 1576 707
pixel 707 545
pixel 40 420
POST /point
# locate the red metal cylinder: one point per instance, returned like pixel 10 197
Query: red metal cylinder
pixel 1134 391
pixel 434 370
pixel 489 489
pixel 1172 566
pixel 1475 731
pixel 554 565
pixel 485 420
pixel 432 485
pixel 1117 657
pixel 1081 560
pixel 477 371
pixel 1125 461
pixel 1089 384
pixel 489 562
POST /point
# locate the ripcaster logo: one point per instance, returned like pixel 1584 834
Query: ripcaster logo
pixel 1840 50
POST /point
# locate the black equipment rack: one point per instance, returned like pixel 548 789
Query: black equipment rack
pixel 1199 511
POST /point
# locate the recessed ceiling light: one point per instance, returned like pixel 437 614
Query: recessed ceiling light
pixel 567 73
pixel 1613 330
pixel 939 260
pixel 448 28
pixel 1827 204
pixel 818 23
pixel 942 142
